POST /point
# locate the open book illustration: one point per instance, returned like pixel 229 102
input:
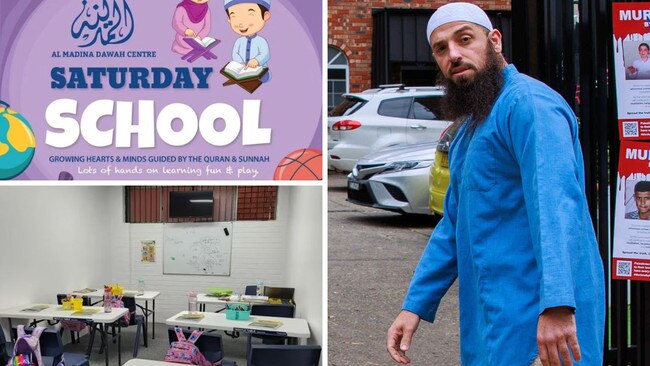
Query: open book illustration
pixel 240 72
pixel 36 308
pixel 272 324
pixel 205 41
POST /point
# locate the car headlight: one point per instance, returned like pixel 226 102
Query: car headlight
pixel 407 165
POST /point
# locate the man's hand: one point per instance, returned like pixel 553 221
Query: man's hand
pixel 252 63
pixel 400 334
pixel 556 334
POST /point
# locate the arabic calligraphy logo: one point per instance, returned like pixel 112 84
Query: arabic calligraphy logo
pixel 111 24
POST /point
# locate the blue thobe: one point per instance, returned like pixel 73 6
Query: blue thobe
pixel 516 231
pixel 253 47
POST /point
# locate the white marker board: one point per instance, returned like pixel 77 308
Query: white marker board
pixel 197 248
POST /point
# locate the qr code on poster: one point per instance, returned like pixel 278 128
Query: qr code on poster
pixel 624 268
pixel 631 129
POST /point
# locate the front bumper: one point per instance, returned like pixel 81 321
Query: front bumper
pixel 404 191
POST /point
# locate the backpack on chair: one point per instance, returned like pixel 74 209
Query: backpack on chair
pixel 27 350
pixel 185 351
pixel 117 302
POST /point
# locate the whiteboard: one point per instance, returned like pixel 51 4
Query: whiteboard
pixel 197 248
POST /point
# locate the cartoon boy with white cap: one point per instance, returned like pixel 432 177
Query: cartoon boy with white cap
pixel 247 18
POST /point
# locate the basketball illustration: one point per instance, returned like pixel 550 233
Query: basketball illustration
pixel 302 164
pixel 17 142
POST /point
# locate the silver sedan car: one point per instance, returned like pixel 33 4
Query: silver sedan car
pixel 394 179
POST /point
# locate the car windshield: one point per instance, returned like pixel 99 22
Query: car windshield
pixel 348 106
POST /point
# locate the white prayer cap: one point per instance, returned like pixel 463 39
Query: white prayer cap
pixel 264 3
pixel 455 12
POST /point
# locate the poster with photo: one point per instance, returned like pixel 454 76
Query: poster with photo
pixel 150 90
pixel 631 26
pixel 631 255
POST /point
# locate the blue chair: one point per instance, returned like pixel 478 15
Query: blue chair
pixel 210 345
pixel 135 319
pixel 52 349
pixel 284 293
pixel 6 348
pixel 282 355
pixel 278 310
pixel 250 290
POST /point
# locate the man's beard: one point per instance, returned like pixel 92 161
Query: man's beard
pixel 473 98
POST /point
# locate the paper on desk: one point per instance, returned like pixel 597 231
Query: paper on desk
pixel 84 291
pixel 266 323
pixel 254 298
pixel 86 312
pixel 36 308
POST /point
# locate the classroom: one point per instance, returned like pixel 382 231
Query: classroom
pixel 150 244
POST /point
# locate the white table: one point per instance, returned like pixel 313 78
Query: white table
pixel 56 312
pixel 146 296
pixel 291 327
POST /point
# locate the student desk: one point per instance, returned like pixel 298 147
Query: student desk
pixel 55 312
pixel 146 296
pixel 203 299
pixel 291 327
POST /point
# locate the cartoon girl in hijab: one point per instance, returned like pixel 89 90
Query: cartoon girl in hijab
pixel 191 19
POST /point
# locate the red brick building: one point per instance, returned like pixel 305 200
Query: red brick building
pixel 384 41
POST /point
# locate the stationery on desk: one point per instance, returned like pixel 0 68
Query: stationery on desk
pixel 219 292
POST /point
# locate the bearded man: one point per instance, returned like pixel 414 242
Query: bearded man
pixel 516 231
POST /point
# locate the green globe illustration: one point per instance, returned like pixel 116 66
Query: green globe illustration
pixel 17 142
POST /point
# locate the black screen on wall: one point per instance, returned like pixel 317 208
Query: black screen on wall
pixel 191 204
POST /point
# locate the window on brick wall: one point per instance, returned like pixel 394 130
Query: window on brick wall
pixel 230 203
pixel 338 73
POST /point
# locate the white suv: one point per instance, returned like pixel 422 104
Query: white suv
pixel 377 118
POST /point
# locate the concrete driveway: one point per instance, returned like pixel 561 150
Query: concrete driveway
pixel 371 257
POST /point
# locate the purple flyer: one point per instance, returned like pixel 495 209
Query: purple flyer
pixel 142 90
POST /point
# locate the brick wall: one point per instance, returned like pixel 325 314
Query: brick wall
pixel 350 29
pixel 150 204
pixel 256 203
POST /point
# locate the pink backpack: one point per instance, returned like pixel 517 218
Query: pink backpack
pixel 27 350
pixel 184 350
pixel 73 325
pixel 116 302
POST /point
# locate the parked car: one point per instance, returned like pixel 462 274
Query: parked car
pixel 378 118
pixel 394 179
pixel 439 172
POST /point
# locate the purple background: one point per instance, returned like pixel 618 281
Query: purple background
pixel 291 102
